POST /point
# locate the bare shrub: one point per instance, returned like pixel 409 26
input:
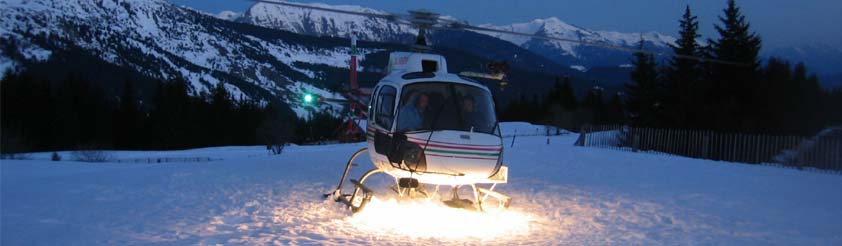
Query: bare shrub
pixel 90 154
pixel 13 146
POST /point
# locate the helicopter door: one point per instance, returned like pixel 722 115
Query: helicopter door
pixel 384 117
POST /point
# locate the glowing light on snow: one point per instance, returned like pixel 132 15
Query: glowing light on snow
pixel 427 219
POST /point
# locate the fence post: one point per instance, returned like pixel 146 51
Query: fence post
pixel 705 144
pixel 837 157
pixel 579 142
pixel 738 145
pixel 658 142
pixel 719 150
pixel 635 140
pixel 733 147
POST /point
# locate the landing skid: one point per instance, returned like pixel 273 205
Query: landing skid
pixel 362 194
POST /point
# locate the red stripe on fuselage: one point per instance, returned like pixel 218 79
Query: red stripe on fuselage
pixel 425 140
pixel 462 157
pixel 458 147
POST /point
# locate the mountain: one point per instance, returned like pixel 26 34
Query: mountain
pixel 531 57
pixel 110 41
pixel 822 59
pixel 321 23
pixel 582 56
pixel 113 40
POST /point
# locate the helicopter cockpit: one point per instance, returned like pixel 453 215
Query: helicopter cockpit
pixel 432 106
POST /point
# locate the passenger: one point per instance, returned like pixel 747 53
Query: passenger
pixel 411 114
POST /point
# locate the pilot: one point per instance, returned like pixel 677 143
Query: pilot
pixel 471 117
pixel 411 114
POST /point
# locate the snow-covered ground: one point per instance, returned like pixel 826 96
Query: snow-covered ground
pixel 562 195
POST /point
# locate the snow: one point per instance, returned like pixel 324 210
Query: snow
pixel 228 15
pixel 6 64
pixel 562 195
pixel 313 22
pixel 555 27
pixel 193 50
pixel 510 129
pixel 579 68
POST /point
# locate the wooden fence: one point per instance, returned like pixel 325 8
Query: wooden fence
pixel 823 151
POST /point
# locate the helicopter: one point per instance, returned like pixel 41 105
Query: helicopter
pixel 426 126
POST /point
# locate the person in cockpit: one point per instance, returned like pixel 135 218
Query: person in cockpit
pixel 470 117
pixel 411 114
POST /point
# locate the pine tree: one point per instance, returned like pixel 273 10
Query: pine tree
pixel 780 100
pixel 733 96
pixel 127 117
pixel 683 75
pixel 222 117
pixel 644 93
pixel 594 105
pixel 567 97
pixel 615 113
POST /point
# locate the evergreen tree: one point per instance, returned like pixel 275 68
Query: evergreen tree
pixel 644 93
pixel 127 119
pixel 732 96
pixel 567 97
pixel 593 105
pixel 221 117
pixel 614 113
pixel 683 75
pixel 779 97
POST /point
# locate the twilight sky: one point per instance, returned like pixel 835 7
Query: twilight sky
pixel 779 22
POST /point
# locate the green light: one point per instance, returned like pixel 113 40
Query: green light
pixel 308 98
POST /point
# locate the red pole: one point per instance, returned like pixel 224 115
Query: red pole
pixel 353 76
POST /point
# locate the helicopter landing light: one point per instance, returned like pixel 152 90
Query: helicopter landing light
pixel 430 219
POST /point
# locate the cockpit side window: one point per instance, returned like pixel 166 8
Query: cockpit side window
pixel 372 109
pixel 385 114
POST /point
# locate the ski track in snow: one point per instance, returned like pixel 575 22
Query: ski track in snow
pixel 571 195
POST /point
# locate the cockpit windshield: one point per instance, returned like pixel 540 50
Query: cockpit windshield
pixel 446 106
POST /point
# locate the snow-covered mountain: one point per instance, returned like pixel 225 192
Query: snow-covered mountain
pixel 162 41
pixel 577 54
pixel 822 59
pixel 321 23
pixel 555 27
pixel 110 41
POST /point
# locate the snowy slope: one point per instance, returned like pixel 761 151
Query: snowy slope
pixel 321 23
pixel 555 27
pixel 562 195
pixel 164 41
pixel 581 56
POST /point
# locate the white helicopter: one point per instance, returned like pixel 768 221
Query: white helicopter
pixel 430 127
pixel 427 126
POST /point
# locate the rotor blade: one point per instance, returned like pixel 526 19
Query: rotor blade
pixel 459 25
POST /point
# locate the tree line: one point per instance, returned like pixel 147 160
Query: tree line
pixel 729 89
pixel 43 115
